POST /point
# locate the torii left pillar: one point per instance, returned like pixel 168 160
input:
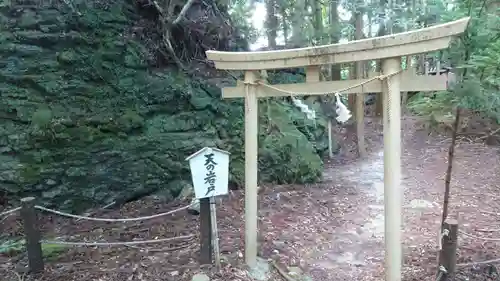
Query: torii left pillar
pixel 251 166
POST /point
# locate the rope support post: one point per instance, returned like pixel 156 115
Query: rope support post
pixel 32 235
pixel 205 232
pixel 448 252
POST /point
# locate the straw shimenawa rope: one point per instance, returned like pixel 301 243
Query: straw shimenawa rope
pixel 292 93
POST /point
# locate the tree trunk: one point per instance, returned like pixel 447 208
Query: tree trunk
pixel 298 17
pixel 359 111
pixel 335 34
pixel 318 21
pixel 285 25
pixel 379 106
pixel 271 24
pixel 351 99
pixel 404 99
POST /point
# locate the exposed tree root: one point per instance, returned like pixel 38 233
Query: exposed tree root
pixel 282 272
pixel 188 28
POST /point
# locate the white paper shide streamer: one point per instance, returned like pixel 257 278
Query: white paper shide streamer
pixel 343 113
pixel 311 114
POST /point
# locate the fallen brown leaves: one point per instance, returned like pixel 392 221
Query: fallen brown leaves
pixel 328 230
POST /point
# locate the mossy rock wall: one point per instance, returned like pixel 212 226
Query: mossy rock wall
pixel 86 120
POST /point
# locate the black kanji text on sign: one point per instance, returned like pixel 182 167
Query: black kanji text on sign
pixel 210 176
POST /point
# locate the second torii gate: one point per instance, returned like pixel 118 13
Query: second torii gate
pixel 391 82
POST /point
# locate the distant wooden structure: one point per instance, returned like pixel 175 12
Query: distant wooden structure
pixel 390 82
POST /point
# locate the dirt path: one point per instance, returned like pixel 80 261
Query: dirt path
pixel 335 230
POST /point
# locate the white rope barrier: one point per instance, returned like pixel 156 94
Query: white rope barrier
pixel 90 244
pixel 111 220
pixel 477 237
pixel 9 212
pixel 478 263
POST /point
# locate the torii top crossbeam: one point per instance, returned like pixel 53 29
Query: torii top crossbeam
pixel 396 45
pixel 387 48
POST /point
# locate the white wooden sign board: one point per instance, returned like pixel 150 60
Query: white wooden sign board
pixel 209 172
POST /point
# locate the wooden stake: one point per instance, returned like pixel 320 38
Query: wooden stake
pixel 404 99
pixel 392 169
pixel 379 105
pixel 330 140
pixel 359 111
pixel 360 114
pixel 448 252
pixel 215 234
pixel 205 232
pixel 451 154
pixel 32 235
pixel 251 151
pixel 312 76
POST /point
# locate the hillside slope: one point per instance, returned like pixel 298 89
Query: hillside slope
pixel 97 107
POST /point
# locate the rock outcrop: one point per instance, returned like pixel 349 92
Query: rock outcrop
pixel 91 115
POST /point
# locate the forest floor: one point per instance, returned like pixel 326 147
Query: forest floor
pixel 332 230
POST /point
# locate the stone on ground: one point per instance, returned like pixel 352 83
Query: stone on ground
pixel 294 271
pixel 200 277
pixel 298 274
pixel 195 207
pixel 260 271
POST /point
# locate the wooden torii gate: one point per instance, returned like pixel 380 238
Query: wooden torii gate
pixel 391 82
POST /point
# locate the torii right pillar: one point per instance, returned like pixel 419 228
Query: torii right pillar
pixel 392 167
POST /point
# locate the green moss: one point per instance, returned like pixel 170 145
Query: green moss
pixel 30 173
pixel 15 246
pixel 51 252
pixel 67 56
pixel 87 121
pixel 42 117
pixel 12 246
pixel 130 120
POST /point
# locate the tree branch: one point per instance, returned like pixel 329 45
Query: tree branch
pixel 158 8
pixel 183 12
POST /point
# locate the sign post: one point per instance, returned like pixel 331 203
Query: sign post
pixel 210 175
pixel 215 234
